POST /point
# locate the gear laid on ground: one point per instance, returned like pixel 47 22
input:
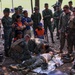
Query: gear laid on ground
pixel 67 58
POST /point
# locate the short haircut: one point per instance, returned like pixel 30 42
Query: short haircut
pixel 18 16
pixel 25 11
pixel 46 4
pixel 66 6
pixel 6 10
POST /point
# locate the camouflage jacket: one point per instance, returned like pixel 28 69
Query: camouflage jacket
pixel 64 21
pixel 36 19
pixel 20 51
pixel 47 15
pixel 57 15
pixel 14 17
pixel 7 23
pixel 72 22
pixel 31 46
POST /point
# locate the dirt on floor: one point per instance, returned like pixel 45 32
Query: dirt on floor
pixel 7 61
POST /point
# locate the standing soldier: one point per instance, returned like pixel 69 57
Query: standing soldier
pixel 71 33
pixel 14 18
pixel 70 3
pixel 20 11
pixel 15 14
pixel 36 17
pixel 57 18
pixel 47 15
pixel 63 24
pixel 7 25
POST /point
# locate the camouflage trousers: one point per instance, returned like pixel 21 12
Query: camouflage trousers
pixel 56 23
pixel 62 40
pixel 48 25
pixel 34 62
pixel 71 42
pixel 7 40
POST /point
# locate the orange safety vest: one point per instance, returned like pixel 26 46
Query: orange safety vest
pixel 40 32
pixel 19 23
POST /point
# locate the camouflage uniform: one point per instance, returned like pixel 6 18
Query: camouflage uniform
pixel 70 5
pixel 21 10
pixel 7 25
pixel 36 17
pixel 71 36
pixel 31 46
pixel 37 61
pixel 71 8
pixel 63 24
pixel 20 52
pixel 56 20
pixel 47 15
pixel 15 15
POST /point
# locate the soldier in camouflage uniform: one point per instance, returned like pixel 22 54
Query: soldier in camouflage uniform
pixel 70 3
pixel 15 14
pixel 19 50
pixel 71 33
pixel 34 62
pixel 36 17
pixel 14 18
pixel 63 24
pixel 7 25
pixel 20 11
pixel 47 15
pixel 57 18
pixel 30 43
pixel 22 48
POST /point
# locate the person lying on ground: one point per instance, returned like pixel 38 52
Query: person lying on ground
pixel 34 62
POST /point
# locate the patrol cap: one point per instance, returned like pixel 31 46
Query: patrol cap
pixel 40 24
pixel 6 10
pixel 16 9
pixel 20 7
pixel 56 5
